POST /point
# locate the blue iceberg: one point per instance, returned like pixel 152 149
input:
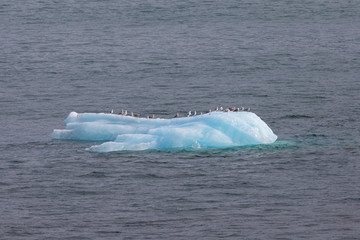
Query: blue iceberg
pixel 211 130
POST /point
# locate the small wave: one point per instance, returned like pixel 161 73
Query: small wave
pixel 296 116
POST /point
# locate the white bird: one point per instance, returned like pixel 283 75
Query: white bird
pixel 194 113
pixel 125 113
pixel 112 111
pixel 189 114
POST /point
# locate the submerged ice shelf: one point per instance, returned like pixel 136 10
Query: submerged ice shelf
pixel 211 130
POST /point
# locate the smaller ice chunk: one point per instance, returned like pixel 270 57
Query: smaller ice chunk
pixel 133 142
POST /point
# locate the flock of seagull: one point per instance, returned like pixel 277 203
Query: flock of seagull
pixel 189 114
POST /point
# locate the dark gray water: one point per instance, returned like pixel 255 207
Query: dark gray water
pixel 297 65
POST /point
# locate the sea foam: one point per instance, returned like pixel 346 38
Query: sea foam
pixel 211 130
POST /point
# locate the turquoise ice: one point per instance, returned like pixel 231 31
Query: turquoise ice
pixel 211 130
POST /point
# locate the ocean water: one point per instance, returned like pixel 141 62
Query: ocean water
pixel 295 63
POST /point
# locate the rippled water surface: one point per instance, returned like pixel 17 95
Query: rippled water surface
pixel 297 65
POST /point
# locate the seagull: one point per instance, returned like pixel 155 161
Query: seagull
pixel 112 111
pixel 152 116
pixel 176 115
pixel 209 111
pixel 132 114
pixel 189 114
pixel 247 109
pixel 221 108
pixel 194 113
pixel 125 113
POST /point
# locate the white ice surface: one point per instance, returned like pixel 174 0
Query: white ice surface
pixel 212 130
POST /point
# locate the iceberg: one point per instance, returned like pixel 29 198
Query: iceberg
pixel 212 130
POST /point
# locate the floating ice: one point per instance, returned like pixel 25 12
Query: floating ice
pixel 211 130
